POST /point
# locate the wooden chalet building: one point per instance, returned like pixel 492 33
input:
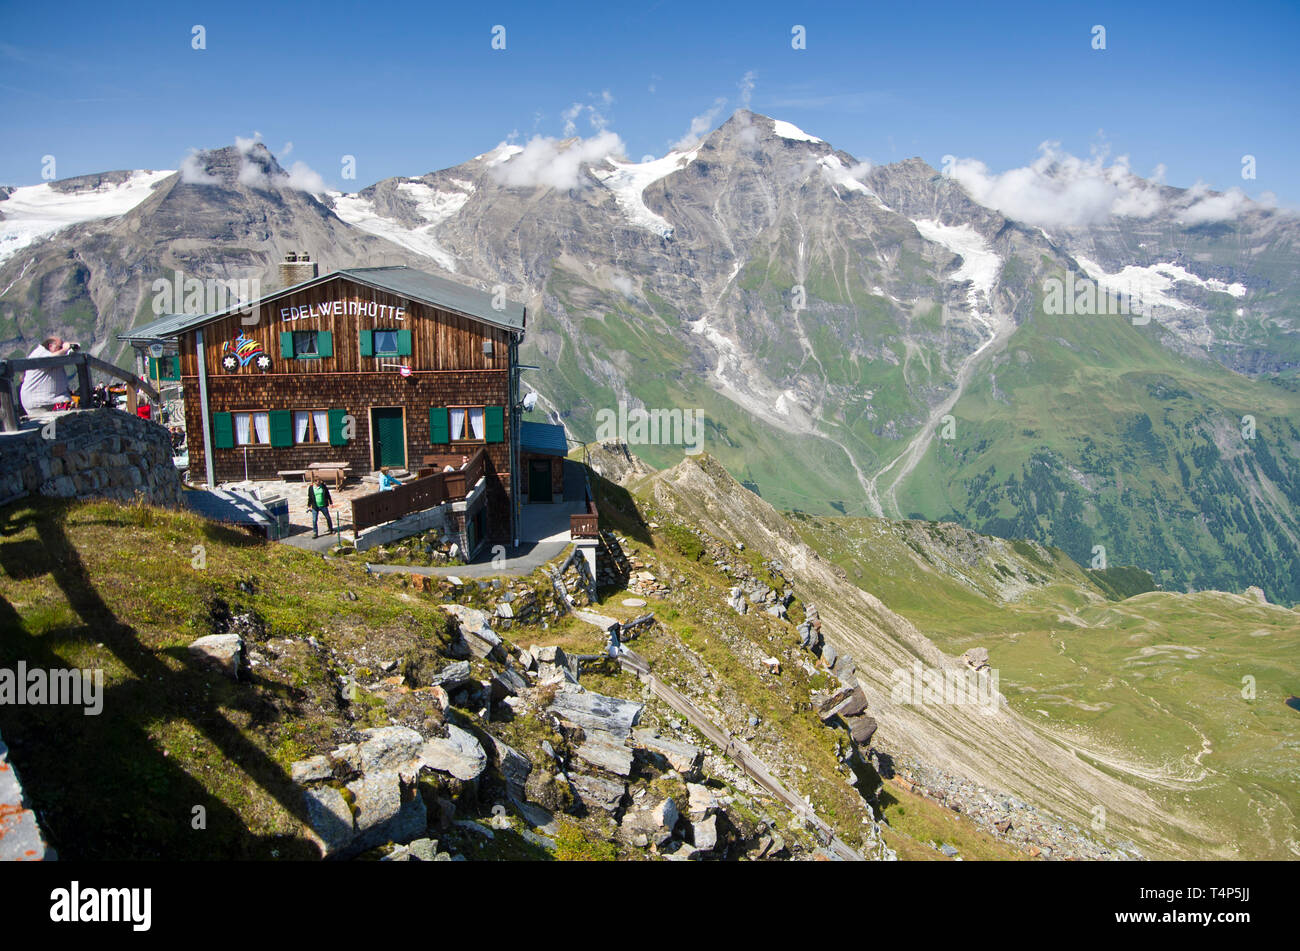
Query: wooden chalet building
pixel 380 366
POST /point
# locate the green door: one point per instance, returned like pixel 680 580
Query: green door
pixel 539 480
pixel 388 437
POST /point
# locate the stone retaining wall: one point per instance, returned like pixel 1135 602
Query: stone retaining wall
pixel 103 453
pixel 20 836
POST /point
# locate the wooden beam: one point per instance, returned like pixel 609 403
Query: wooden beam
pixel 83 385
pixel 8 414
pixel 81 360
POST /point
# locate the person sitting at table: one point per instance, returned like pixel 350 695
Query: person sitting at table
pixel 386 481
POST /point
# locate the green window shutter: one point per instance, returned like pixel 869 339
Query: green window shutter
pixel 281 427
pixel 403 343
pixel 494 424
pixel 153 369
pixel 324 343
pixel 367 343
pixel 223 431
pixel 439 430
pixel 336 417
pixel 286 344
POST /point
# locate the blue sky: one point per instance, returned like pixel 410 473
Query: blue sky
pixel 412 88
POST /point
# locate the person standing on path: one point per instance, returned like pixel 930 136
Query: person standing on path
pixel 319 500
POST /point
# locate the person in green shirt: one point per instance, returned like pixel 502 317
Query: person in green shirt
pixel 318 500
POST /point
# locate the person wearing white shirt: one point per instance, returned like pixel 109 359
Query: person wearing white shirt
pixel 44 388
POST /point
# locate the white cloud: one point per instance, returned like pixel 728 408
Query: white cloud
pixel 699 125
pixel 747 88
pixel 546 162
pixel 255 169
pixel 595 117
pixel 623 284
pixel 570 116
pixel 303 178
pixel 1206 206
pixel 1061 190
pixel 193 172
pixel 252 174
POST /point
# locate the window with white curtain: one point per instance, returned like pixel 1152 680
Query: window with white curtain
pixel 467 423
pixel 252 429
pixel 310 425
pixel 457 423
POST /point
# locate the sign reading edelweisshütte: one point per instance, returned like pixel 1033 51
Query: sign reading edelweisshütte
pixel 340 308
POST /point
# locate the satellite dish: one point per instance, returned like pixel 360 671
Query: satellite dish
pixel 530 400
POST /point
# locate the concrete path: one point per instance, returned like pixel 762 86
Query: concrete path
pixel 524 560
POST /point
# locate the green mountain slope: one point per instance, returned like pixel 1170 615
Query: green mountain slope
pixel 1183 693
pixel 1088 432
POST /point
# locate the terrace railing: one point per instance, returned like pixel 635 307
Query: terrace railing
pixel 84 363
pixel 585 524
pixel 418 495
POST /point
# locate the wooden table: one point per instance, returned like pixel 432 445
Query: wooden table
pixel 338 470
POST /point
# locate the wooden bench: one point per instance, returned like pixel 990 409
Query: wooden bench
pixel 284 474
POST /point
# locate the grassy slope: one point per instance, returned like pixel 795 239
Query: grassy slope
pixel 1148 682
pixel 174 736
pixel 105 586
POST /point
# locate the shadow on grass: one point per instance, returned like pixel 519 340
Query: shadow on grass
pixel 101 785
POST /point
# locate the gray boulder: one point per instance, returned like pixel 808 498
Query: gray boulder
pixel 330 819
pixel 705 834
pixel 460 754
pixel 380 799
pixel 452 676
pixel 594 711
pixel 655 820
pixel 603 752
pixel 307 770
pixel 683 757
pixel 390 749
pixel 225 652
pixel 596 792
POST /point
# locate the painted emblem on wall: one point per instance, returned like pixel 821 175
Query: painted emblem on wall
pixel 240 352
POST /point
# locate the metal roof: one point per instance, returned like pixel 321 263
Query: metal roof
pixel 546 438
pixel 166 326
pixel 400 280
pixel 450 295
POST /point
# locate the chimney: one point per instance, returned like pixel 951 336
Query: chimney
pixel 296 268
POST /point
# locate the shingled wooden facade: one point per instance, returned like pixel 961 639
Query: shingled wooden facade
pixel 369 367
